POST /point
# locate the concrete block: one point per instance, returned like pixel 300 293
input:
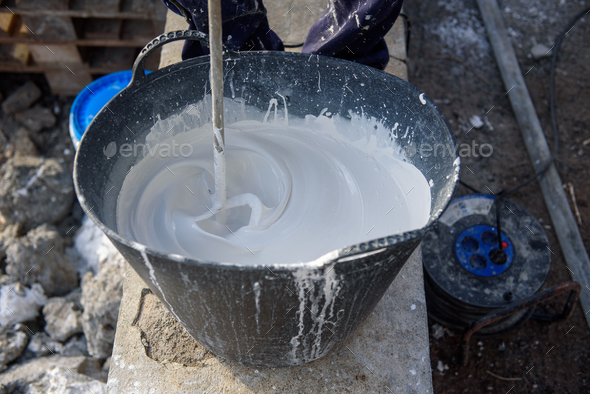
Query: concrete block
pixel 389 352
pixel 22 98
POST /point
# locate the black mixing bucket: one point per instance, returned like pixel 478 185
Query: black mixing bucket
pixel 275 315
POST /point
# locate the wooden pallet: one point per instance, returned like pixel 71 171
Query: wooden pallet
pixel 72 41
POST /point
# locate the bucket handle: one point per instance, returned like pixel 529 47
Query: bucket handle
pixel 163 39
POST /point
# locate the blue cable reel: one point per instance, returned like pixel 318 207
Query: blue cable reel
pixel 468 272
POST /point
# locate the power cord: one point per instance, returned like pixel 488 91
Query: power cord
pixel 504 193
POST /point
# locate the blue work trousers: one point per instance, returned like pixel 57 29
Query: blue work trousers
pixel 349 29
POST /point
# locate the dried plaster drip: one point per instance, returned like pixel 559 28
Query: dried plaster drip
pixel 317 292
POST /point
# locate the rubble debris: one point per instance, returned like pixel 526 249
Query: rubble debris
pixel 54 381
pixel 3 157
pixel 476 121
pixel 439 331
pixel 34 191
pixel 540 51
pixel 52 374
pixel 106 365
pixel 101 298
pixel 8 234
pixel 22 98
pixel 63 316
pixel 75 346
pixel 21 145
pixel 13 341
pixel 36 118
pixel 488 124
pixel 41 345
pixel 92 246
pixel 39 257
pixel 19 304
pixel 441 366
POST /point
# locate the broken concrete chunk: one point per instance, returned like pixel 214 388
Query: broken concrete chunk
pixel 106 365
pixel 19 304
pixel 13 342
pixel 476 121
pixel 60 378
pixel 63 318
pixel 42 345
pixel 92 246
pixel 22 98
pixel 540 51
pixel 75 346
pixel 50 375
pixel 8 234
pixel 3 143
pixel 36 118
pixel 21 145
pixel 34 191
pixel 101 298
pixel 92 367
pixel 39 257
pixel 75 297
pixel 439 331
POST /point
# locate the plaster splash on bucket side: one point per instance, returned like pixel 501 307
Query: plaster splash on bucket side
pixel 321 310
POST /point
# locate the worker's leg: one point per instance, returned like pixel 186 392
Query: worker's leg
pixel 245 26
pixel 350 29
pixel 354 30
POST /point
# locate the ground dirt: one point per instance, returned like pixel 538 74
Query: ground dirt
pixel 451 60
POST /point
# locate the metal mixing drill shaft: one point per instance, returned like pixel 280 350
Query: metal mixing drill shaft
pixel 216 50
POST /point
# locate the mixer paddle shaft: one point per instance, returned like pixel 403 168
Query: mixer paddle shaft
pixel 216 49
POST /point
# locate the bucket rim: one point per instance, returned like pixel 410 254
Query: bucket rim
pixel 327 260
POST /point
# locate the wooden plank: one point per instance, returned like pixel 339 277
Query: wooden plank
pixel 8 23
pixel 99 6
pixel 63 54
pixel 32 68
pixel 159 26
pixel 133 42
pixel 119 58
pixel 68 82
pixel 68 74
pixel 78 9
pixel 16 54
pixel 102 28
pixel 562 217
pixel 144 5
pixel 50 5
pixel 50 27
pixel 136 30
pixel 21 53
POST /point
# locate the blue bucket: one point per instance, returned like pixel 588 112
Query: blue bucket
pixel 92 99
